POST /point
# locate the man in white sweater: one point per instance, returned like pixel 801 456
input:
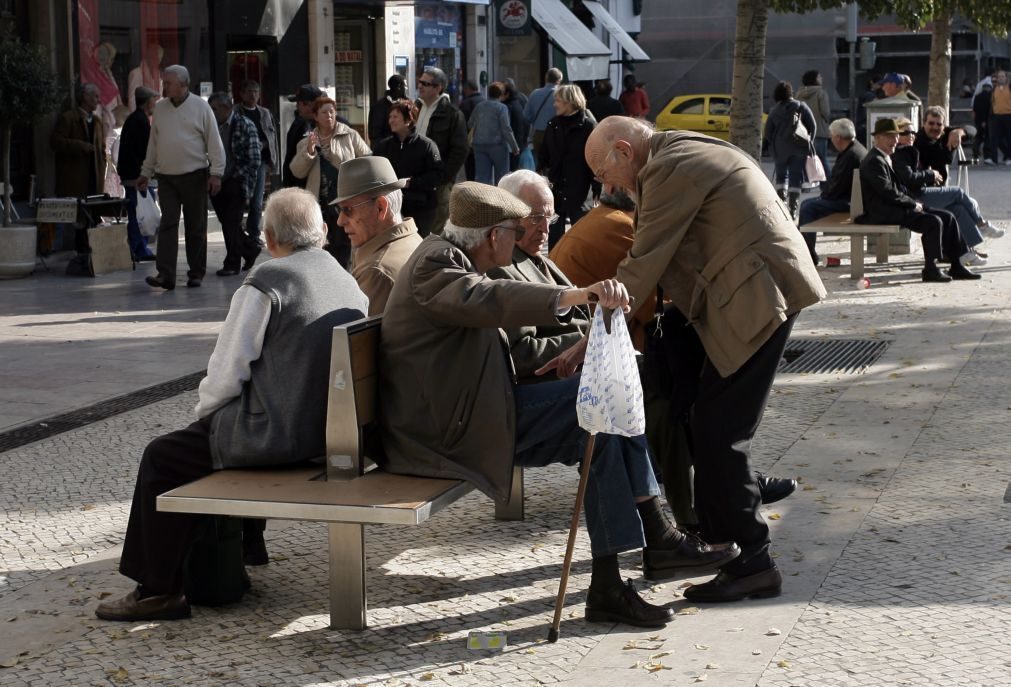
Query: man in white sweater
pixel 186 153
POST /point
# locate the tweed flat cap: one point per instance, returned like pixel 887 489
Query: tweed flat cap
pixel 475 206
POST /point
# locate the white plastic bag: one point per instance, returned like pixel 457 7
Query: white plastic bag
pixel 610 394
pixel 148 214
pixel 814 169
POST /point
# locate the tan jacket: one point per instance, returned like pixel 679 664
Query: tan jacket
pixel 377 262
pixel 532 346
pixel 346 144
pixel 712 233
pixel 446 381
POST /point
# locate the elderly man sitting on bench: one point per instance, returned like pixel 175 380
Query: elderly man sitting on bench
pixel 263 402
pixel 451 407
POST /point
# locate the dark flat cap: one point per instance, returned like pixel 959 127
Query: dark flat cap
pixel 306 93
pixel 475 206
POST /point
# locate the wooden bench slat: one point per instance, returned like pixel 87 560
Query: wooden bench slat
pixel 842 223
pixel 375 498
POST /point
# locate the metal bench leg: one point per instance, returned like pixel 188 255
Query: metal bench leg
pixel 882 248
pixel 857 256
pixel 513 508
pixel 348 603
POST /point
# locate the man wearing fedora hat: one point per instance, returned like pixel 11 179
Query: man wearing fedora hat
pixel 886 202
pixel 452 409
pixel 369 200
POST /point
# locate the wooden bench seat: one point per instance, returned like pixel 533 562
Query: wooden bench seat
pixel 349 492
pixel 842 223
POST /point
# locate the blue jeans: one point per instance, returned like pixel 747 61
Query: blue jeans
pixel 789 173
pixel 959 203
pixel 136 241
pixel 256 206
pixel 491 162
pixel 547 432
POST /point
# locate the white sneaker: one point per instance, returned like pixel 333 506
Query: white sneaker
pixel 990 231
pixel 989 162
pixel 971 259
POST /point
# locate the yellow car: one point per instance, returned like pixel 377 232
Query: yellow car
pixel 706 113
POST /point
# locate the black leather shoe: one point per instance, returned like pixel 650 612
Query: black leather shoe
pixel 774 489
pixel 727 587
pixel 247 263
pixel 934 275
pixel 960 271
pixel 689 558
pixel 193 283
pixel 158 283
pixel 143 258
pixel 225 272
pixel 254 550
pixel 132 608
pixel 623 604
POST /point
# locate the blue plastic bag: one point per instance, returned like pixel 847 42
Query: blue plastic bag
pixel 527 159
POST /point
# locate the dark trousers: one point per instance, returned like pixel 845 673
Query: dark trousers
pixel 723 415
pixel 137 241
pixel 565 215
pixel 156 543
pixel 182 194
pixel 938 230
pixel 814 209
pixel 1000 136
pixel 229 205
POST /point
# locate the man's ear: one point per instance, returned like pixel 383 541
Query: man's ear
pixel 623 149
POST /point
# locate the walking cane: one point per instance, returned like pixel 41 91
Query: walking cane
pixel 573 528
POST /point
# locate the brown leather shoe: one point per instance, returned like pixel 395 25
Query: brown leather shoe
pixel 727 587
pixel 132 608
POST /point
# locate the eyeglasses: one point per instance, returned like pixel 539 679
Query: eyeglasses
pixel 537 219
pixel 426 84
pixel 346 211
pixel 520 231
pixel 905 133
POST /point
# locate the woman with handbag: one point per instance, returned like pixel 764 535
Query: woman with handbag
pixel 789 130
pixel 316 160
pixel 416 158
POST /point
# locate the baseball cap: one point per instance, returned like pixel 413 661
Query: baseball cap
pixel 306 93
pixel 893 77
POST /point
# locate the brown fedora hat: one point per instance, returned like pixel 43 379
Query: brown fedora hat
pixel 885 125
pixel 372 174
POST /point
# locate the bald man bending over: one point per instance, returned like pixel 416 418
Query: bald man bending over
pixel 714 236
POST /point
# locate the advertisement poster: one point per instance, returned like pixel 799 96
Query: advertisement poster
pixel 436 26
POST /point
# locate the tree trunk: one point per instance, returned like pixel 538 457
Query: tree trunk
pixel 939 88
pixel 7 175
pixel 749 70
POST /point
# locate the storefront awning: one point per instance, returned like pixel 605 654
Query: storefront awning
pixel 586 57
pixel 635 53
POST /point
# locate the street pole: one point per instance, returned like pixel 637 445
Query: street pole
pixel 852 11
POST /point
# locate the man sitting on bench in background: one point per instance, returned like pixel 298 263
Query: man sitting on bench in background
pixel 451 408
pixel 263 401
pixel 835 193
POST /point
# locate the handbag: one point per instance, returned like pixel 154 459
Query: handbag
pixel 814 169
pixel 527 159
pixel 800 133
pixel 610 393
pixel 148 214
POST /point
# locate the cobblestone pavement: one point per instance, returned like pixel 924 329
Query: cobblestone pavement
pixel 896 551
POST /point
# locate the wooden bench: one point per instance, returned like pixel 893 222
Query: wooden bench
pixel 345 493
pixel 843 223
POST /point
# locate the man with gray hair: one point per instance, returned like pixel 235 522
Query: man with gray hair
pixel 186 153
pixel 369 199
pixel 441 121
pixel 451 408
pixel 275 340
pixel 835 193
pixel 532 346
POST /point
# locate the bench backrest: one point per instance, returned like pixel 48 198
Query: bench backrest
pixel 353 397
pixel 856 196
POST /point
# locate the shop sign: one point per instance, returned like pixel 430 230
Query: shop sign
pixel 513 18
pixel 436 26
pixel 347 56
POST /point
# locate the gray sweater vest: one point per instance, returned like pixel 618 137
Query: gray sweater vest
pixel 280 416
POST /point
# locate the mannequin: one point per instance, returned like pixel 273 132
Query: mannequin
pixel 147 73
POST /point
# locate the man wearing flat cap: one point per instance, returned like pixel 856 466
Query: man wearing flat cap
pixel 300 126
pixel 369 200
pixel 452 409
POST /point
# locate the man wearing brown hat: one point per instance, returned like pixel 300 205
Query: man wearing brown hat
pixel 451 407
pixel 886 202
pixel 369 200
pixel 300 126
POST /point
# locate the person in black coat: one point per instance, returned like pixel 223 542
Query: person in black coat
pixel 562 159
pixel 379 126
pixel 415 158
pixel 472 96
pixel 300 126
pixel 602 105
pixel 517 121
pixel 885 202
pixel 132 150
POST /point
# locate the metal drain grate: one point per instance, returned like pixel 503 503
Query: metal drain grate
pixel 100 411
pixel 826 356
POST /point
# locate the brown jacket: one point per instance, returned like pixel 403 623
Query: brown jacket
pixel 532 346
pixel 377 262
pixel 76 156
pixel 712 233
pixel 446 381
pixel 590 252
pixel 345 145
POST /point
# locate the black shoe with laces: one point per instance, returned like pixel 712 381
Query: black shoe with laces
pixel 689 558
pixel 622 604
pixel 774 489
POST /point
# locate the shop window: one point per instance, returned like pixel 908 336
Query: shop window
pixel 438 30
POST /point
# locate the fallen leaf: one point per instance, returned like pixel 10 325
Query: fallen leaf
pixel 462 670
pixel 736 629
pixel 88 506
pixel 783 664
pixel 773 632
pixel 756 652
pixel 9 662
pixel 690 610
pixel 508 599
pixel 656 667
pixel 119 675
pixel 425 677
pixel 774 516
pixel 659 655
pixel 435 636
pixel 701 678
pixel 712 666
pixel 635 644
pixel 702 647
